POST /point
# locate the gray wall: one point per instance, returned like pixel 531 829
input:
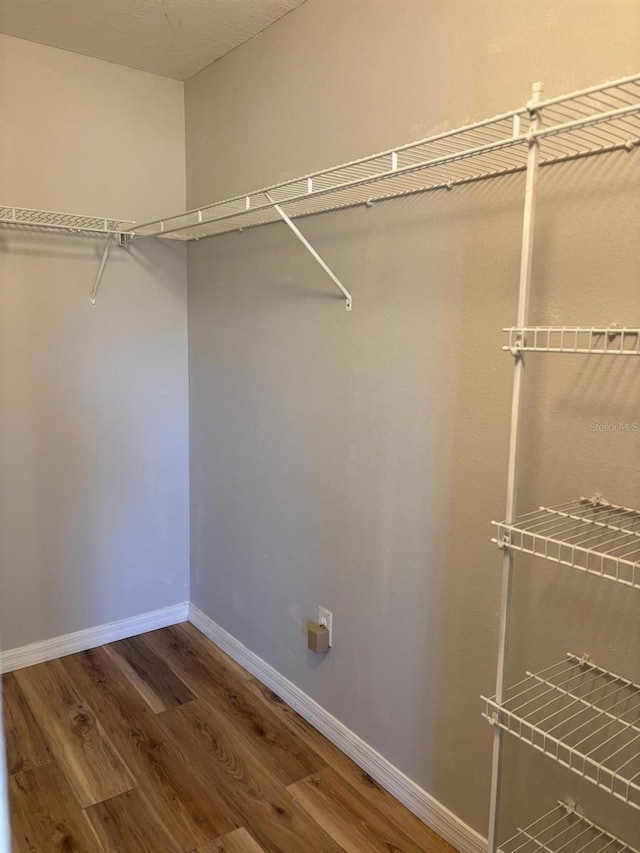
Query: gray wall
pixel 355 461
pixel 94 492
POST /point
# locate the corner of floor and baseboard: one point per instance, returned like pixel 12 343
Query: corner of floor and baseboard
pixel 416 799
pixel 89 638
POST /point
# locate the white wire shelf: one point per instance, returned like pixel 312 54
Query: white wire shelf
pixel 564 830
pixel 589 534
pixel 70 222
pixel 583 716
pixel 598 340
pixel 595 120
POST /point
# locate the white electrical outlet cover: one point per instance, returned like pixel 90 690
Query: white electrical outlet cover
pixel 325 617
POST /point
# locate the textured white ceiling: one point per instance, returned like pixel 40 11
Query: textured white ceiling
pixel 175 38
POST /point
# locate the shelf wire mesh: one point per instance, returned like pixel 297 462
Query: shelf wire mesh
pixel 588 534
pixel 564 830
pixel 583 716
pixel 603 340
pixel 592 121
pixel 446 160
pixel 62 221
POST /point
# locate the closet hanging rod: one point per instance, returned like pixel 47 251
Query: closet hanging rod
pixel 591 121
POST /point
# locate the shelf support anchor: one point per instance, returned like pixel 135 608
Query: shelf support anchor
pixel 334 278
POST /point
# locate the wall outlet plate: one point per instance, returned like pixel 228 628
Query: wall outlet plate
pixel 325 617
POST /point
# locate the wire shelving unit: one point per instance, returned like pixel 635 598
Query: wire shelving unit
pixel 70 222
pixel 583 716
pixel 592 121
pixel 595 120
pixel 586 718
pixel 597 340
pixel 564 830
pixel 588 534
pixel 600 119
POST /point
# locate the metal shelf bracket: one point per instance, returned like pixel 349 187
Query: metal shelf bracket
pixel 334 278
pixel 516 348
pixel 112 239
pixel 116 231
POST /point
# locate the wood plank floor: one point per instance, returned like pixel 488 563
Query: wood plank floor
pixel 163 744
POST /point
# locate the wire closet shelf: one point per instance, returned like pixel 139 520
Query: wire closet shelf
pixel 70 222
pixel 583 716
pixel 592 121
pixel 564 830
pixel 596 340
pixel 587 534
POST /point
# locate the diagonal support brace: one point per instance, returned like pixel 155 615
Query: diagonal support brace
pixel 98 278
pixel 334 278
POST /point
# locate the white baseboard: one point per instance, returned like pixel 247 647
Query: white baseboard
pixel 89 638
pixel 417 800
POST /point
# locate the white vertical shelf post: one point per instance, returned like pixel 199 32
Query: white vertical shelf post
pixel 526 263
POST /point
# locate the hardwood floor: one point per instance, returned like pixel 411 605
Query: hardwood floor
pixel 163 744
